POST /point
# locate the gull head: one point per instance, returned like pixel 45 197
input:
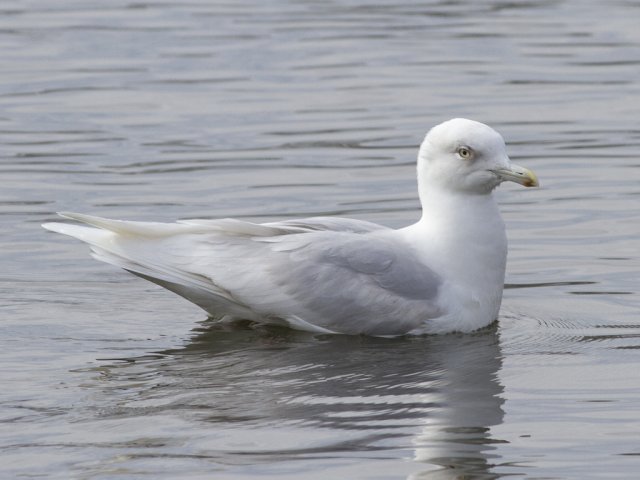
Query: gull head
pixel 466 156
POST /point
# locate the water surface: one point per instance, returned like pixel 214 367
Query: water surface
pixel 271 110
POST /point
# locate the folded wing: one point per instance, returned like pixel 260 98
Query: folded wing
pixel 320 274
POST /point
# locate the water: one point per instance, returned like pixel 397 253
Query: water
pixel 269 110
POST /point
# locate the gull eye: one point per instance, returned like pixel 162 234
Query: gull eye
pixel 465 152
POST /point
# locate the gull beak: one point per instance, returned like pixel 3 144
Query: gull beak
pixel 517 174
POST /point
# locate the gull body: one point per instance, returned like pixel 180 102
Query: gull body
pixel 442 274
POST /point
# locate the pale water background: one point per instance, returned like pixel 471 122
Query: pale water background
pixel 277 109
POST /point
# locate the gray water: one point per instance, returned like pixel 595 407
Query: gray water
pixel 279 109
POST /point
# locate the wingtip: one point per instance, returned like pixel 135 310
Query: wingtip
pixel 68 215
pixel 53 227
pixel 58 227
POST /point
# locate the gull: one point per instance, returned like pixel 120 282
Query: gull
pixel 445 273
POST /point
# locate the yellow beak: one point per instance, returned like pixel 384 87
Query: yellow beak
pixel 518 174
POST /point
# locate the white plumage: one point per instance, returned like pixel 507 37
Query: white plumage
pixel 333 275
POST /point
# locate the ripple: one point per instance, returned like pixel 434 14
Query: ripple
pixel 547 284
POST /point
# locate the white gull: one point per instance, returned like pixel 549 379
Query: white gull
pixel 442 274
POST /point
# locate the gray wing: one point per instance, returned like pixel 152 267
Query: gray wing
pixel 331 274
pixel 240 227
pixel 372 283
pixel 335 224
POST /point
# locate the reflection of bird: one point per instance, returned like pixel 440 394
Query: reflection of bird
pixel 275 398
pixel 458 436
pixel 337 275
